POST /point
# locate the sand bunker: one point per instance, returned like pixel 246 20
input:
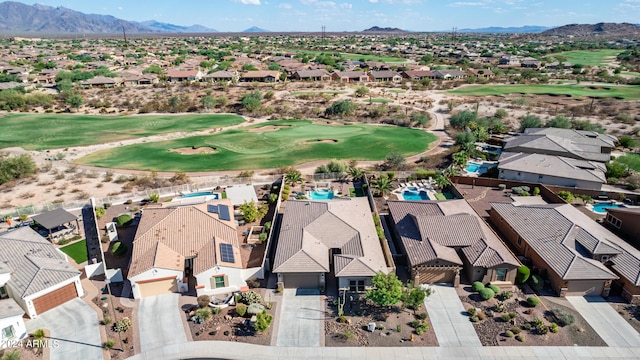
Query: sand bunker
pixel 321 141
pixel 268 128
pixel 194 150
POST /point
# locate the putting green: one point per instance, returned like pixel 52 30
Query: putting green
pixel 48 131
pixel 622 92
pixel 269 145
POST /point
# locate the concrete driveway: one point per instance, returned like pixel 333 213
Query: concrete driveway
pixel 451 325
pixel 160 322
pixel 611 327
pixel 75 327
pixel 301 322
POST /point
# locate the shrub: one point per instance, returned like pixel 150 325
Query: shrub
pixel 251 297
pixel 477 286
pixel 203 301
pixel 100 212
pixel 505 317
pixel 512 314
pixel 508 333
pixel 263 321
pixel 124 220
pixel 537 322
pixel 566 196
pixel 495 288
pixel 523 274
pixel 255 308
pixel 204 314
pixel 505 295
pixel 106 320
pixel 348 334
pixel 481 315
pixel 122 325
pixel 216 310
pixel 536 283
pixel 516 330
pixel 520 338
pixel 399 328
pixel 486 293
pixel 415 323
pixel 527 326
pixel 241 309
pixel 474 319
pixel 542 329
pixel 533 301
pixel 563 317
pixel 471 311
pixel 342 319
pixel 129 202
pixel 118 248
pixel 109 344
pixel 226 333
pixel 262 237
pixel 554 328
pixel 422 316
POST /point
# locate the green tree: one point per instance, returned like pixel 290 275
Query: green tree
pixel 460 158
pixel 465 140
pixel 501 114
pixel 340 108
pixel 463 119
pixel 530 121
pixel 274 66
pixel 154 198
pixel 208 102
pixel 386 289
pixel 421 118
pixel 362 91
pixel 263 321
pixel 413 298
pixel 153 69
pixel 394 161
pixel 293 177
pixel 616 170
pixel 383 184
pixel 16 167
pixel 11 100
pixel 559 122
pixel 252 101
pixel 251 212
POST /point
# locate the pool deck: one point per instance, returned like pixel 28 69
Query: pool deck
pixel 421 186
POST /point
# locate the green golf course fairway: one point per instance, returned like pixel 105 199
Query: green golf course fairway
pixel 623 92
pixel 589 57
pixel 49 131
pixel 283 143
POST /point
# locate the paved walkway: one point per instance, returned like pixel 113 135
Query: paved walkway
pixel 301 321
pixel 447 315
pixel 611 327
pixel 159 322
pixel 74 326
pixel 235 350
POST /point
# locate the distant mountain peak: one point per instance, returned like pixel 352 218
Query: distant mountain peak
pixel 497 29
pixel 601 29
pixel 385 29
pixel 255 29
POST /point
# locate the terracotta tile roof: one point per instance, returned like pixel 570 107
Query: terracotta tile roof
pixel 311 228
pixel 166 235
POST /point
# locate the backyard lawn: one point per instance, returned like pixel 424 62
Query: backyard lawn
pixel 268 145
pixel 48 131
pixel 77 251
pixel 600 57
pixel 623 92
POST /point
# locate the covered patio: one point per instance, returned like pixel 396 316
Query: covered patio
pixel 57 224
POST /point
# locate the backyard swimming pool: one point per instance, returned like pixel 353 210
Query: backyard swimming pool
pixel 200 193
pixel 478 168
pixel 601 208
pixel 413 193
pixel 321 194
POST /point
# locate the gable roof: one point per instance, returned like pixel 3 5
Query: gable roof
pixel 167 235
pixel 431 230
pixel 384 74
pixel 560 234
pixel 310 229
pixel 35 263
pixel 551 165
pixel 54 218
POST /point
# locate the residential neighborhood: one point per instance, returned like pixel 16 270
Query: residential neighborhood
pixel 380 193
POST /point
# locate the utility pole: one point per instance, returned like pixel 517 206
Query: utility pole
pixel 125 38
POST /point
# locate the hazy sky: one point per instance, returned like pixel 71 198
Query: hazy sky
pixel 356 15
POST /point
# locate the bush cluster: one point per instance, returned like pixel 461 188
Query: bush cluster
pixel 241 309
pixel 251 297
pixel 122 325
pixel 118 248
pixel 563 317
pixel 533 301
pixel 486 293
pixel 536 283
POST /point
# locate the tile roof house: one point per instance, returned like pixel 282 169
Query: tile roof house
pixel 222 76
pixel 175 243
pixel 576 254
pixel 184 75
pixel 311 75
pixel 34 273
pixel 450 74
pixel 551 170
pixel 625 221
pixel 441 238
pixel 328 238
pixel 385 76
pixel 418 74
pixel 576 144
pixel 350 76
pixel 261 76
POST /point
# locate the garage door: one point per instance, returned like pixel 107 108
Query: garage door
pixel 587 287
pixel 158 287
pixel 296 281
pixel 432 276
pixel 55 298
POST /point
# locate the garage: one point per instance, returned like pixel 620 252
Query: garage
pixel 155 287
pixel 433 276
pixel 296 281
pixel 55 298
pixel 584 287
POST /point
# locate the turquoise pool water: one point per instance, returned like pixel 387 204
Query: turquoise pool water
pixel 201 193
pixel 321 194
pixel 472 167
pixel 601 208
pixel 410 194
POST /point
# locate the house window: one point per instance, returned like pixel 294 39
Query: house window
pixel 614 221
pixel 604 258
pixel 519 241
pixel 3 292
pixel 7 333
pixel 219 281
pixel 501 275
pixel 356 285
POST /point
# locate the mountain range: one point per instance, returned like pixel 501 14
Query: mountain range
pixel 378 29
pixel 532 29
pixel 603 29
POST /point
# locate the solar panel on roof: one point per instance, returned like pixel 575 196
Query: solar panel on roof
pixel 223 210
pixel 226 253
pixel 212 209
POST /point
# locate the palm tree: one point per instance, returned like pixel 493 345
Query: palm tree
pixel 442 181
pixel 383 184
pixel 293 177
pixel 356 173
